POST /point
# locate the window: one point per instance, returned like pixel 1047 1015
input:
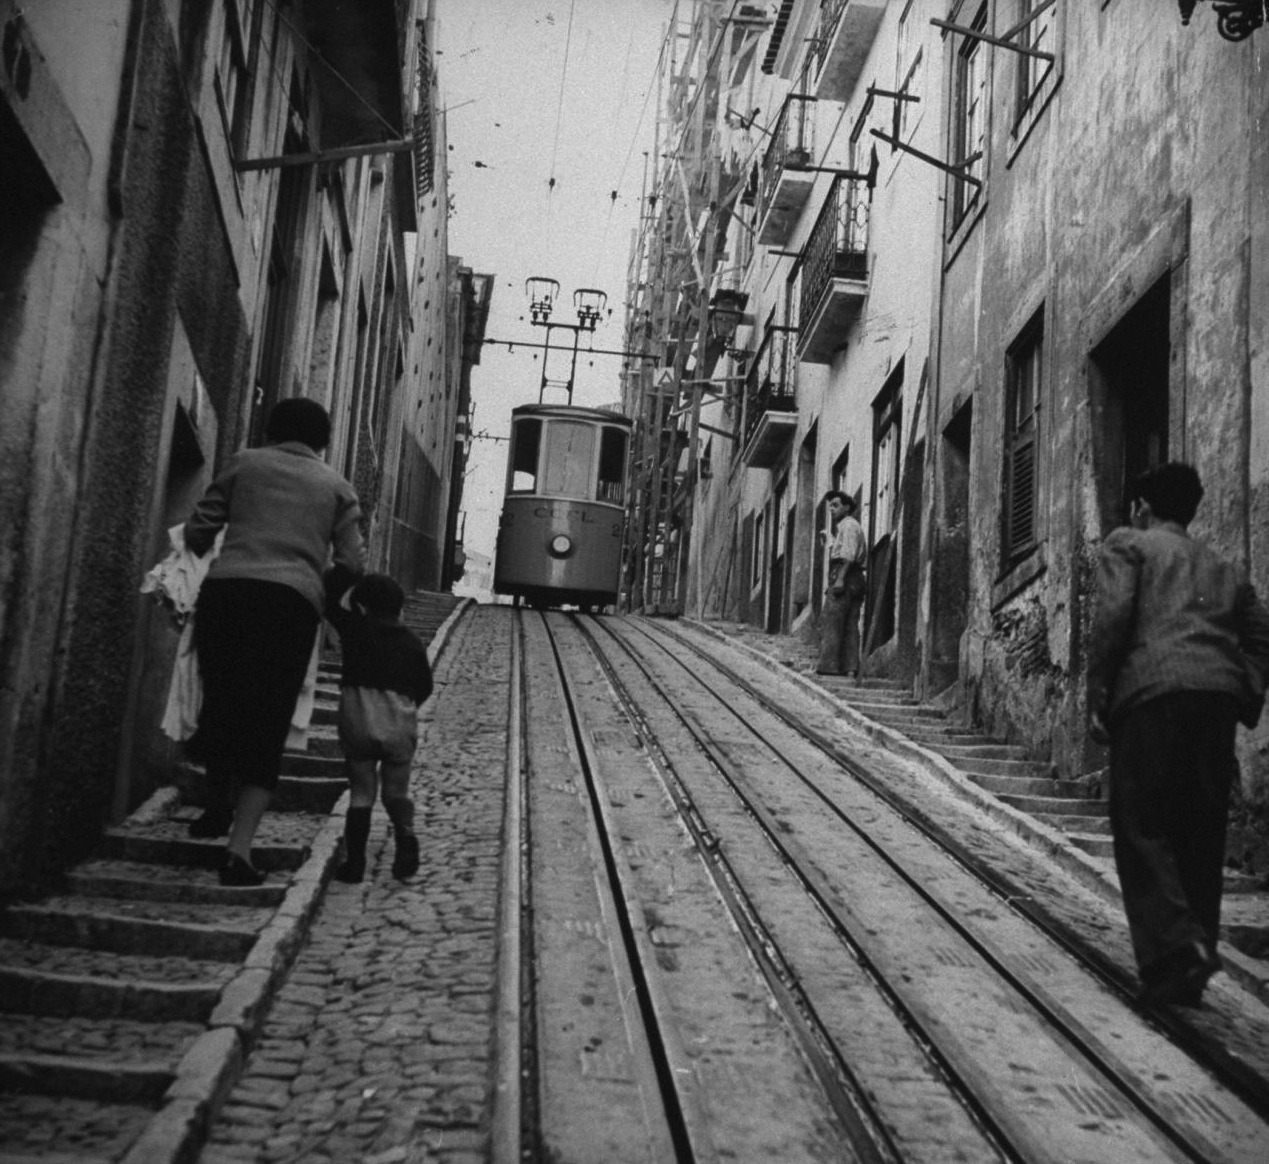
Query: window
pixel 612 465
pixel 234 70
pixel 1037 33
pixel 569 459
pixel 759 546
pixel 909 72
pixel 969 113
pixel 525 442
pixel 1024 379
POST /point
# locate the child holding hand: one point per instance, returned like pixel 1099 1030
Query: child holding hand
pixel 385 678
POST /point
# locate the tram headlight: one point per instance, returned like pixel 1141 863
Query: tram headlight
pixel 561 546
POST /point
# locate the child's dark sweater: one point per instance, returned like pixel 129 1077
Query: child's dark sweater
pixel 384 656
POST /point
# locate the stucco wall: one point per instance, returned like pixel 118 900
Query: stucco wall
pixel 1137 168
pixel 96 498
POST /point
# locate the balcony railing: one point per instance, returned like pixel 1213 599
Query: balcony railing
pixel 792 146
pixel 834 268
pixel 825 26
pixel 770 387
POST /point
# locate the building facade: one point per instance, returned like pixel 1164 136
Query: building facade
pixel 986 260
pixel 216 204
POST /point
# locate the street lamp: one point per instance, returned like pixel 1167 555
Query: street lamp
pixel 1235 19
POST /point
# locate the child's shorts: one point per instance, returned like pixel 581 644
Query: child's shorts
pixel 378 725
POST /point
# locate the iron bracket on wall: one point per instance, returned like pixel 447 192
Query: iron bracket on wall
pixel 956 170
pixel 337 154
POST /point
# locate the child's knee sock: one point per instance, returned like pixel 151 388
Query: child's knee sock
pixel 401 813
pixel 356 834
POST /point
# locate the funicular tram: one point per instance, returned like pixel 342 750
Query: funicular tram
pixel 563 512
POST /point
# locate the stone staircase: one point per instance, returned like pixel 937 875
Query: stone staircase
pixel 129 999
pixel 997 767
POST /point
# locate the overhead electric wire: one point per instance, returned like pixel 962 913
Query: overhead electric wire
pixel 643 109
pixel 559 117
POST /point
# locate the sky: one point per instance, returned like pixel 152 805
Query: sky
pixel 535 90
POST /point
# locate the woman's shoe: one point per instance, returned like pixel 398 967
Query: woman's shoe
pixel 239 873
pixel 214 822
pixel 351 871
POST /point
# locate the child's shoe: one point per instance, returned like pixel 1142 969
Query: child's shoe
pixel 356 834
pixel 401 813
pixel 406 862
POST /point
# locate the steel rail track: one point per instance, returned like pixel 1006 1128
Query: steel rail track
pixel 1186 1139
pixel 1251 1086
pixel 685 1124
pixel 862 1125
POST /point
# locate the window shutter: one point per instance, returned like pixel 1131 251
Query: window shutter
pixel 1022 496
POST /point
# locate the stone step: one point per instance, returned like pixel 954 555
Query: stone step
pixel 1024 769
pixel 901 718
pixel 101 1041
pixel 197 854
pixel 1093 844
pixel 208 933
pixel 41 991
pixel 308 765
pixel 1030 786
pixel 138 881
pixel 110 969
pixel 323 741
pixel 851 692
pixel 1055 806
pixel 281 844
pixel 138 1082
pixel 66 1130
pixel 1098 826
pixel 308 793
pixel 954 735
pixel 979 751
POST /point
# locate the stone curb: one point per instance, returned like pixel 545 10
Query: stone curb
pixel 1251 975
pixel 214 1064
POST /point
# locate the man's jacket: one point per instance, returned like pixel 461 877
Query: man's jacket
pixel 1173 616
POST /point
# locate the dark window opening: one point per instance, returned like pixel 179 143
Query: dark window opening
pixel 612 465
pixel 526 440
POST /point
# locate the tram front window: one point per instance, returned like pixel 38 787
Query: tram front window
pixel 570 455
pixel 527 438
pixel 612 465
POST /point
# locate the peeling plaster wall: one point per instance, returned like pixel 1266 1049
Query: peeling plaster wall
pixel 71 616
pixel 1138 167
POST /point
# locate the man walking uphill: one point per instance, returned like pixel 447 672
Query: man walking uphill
pixel 1179 655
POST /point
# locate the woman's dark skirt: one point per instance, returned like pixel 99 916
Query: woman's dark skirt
pixel 254 642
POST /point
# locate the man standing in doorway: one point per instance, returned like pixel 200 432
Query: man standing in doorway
pixel 1179 655
pixel 839 622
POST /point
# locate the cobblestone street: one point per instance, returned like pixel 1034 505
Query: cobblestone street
pixel 378 1046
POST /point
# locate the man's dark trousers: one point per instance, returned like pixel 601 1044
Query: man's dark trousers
pixel 1172 763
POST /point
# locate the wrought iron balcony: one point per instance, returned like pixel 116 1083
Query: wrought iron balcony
pixel 785 183
pixel 770 413
pixel 840 45
pixel 834 270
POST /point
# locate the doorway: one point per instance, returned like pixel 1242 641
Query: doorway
pixel 779 555
pixel 950 583
pixel 1128 396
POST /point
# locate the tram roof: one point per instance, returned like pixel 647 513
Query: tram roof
pixel 572 412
